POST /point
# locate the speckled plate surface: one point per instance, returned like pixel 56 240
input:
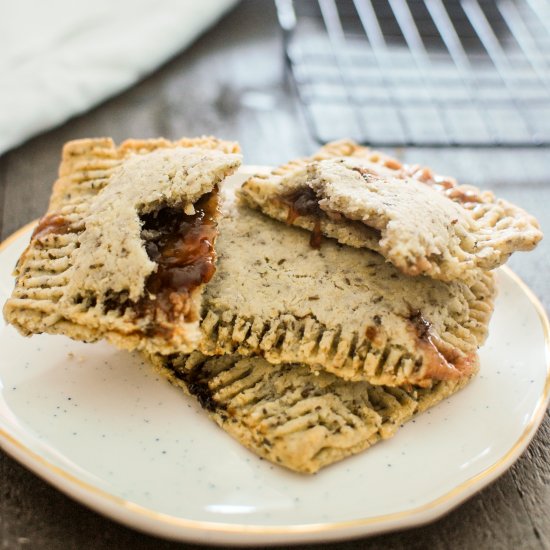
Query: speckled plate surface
pixel 102 427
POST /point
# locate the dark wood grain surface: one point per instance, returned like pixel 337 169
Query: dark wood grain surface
pixel 231 83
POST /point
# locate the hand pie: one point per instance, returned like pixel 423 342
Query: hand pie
pixel 339 309
pixel 127 244
pixel 423 224
pixel 293 417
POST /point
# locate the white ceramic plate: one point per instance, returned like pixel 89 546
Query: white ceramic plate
pixel 100 426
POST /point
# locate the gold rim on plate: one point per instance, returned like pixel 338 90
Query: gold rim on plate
pixel 453 497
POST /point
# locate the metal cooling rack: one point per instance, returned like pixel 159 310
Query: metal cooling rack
pixel 434 73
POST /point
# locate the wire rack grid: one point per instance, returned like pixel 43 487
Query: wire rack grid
pixel 435 73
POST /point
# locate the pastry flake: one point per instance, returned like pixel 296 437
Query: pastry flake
pixel 127 244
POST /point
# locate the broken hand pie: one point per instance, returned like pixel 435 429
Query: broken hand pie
pixel 127 244
pixel 422 224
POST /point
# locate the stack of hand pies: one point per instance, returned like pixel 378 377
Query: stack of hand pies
pixel 311 311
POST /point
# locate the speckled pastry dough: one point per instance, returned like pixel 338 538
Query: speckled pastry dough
pixel 338 309
pixel 423 224
pixel 293 417
pixel 88 270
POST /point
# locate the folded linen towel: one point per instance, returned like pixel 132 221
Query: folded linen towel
pixel 61 57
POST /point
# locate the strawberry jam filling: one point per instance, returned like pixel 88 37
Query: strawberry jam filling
pixel 182 246
pixel 443 362
pixel 52 224
pixel 304 202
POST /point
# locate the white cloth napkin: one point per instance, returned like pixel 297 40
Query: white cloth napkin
pixel 59 58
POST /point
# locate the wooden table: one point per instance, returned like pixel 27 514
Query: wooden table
pixel 231 84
